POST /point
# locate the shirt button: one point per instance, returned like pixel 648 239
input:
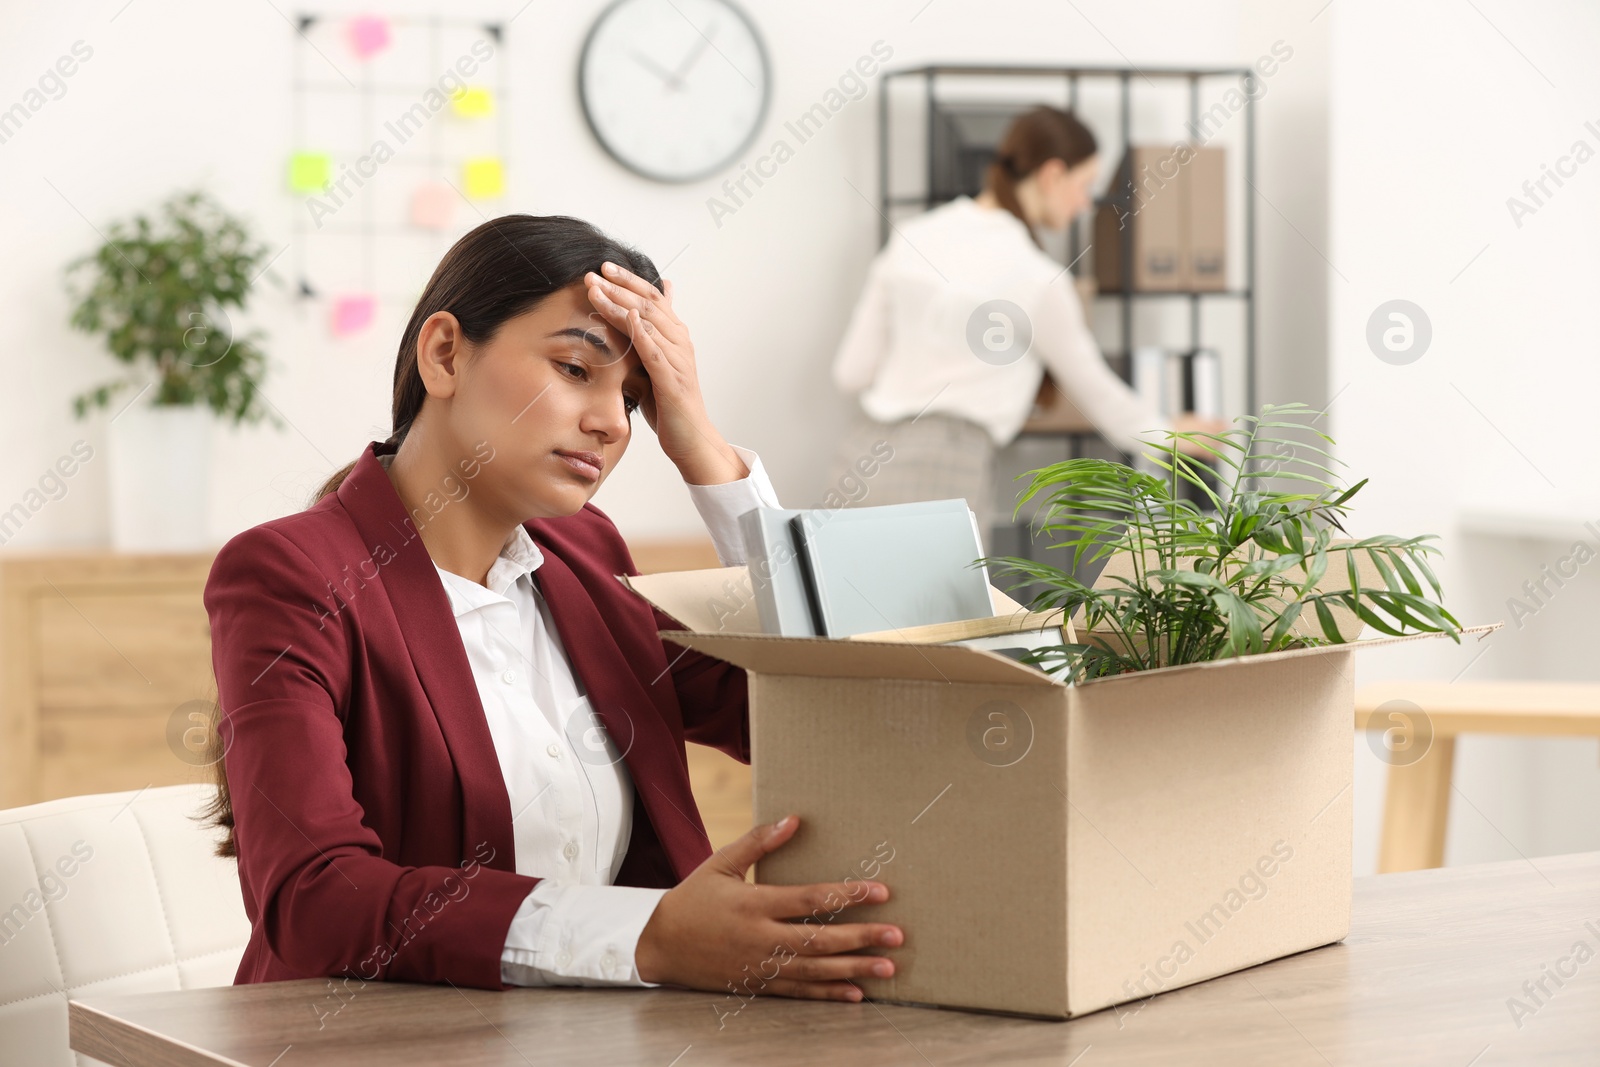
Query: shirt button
pixel 571 851
pixel 563 959
pixel 609 961
pixel 508 677
pixel 554 750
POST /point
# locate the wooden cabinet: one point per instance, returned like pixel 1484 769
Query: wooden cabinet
pixel 100 655
pixel 105 678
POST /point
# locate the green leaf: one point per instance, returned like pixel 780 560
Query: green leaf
pixel 1285 625
pixel 1385 570
pixel 1244 629
pixel 1319 567
pixel 1403 569
pixel 1330 628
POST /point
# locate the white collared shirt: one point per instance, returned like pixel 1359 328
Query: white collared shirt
pixel 910 345
pixel 571 794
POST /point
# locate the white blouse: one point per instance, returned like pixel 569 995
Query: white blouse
pixel 906 348
pixel 571 794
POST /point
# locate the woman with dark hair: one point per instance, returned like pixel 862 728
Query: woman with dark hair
pixel 452 743
pixel 945 368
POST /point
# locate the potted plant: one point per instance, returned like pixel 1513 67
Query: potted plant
pixel 1246 574
pixel 161 293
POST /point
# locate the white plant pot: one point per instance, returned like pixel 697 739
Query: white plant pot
pixel 160 478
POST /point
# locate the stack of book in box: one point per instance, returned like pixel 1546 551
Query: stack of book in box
pixel 910 572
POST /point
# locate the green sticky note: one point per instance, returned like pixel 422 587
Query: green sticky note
pixel 309 171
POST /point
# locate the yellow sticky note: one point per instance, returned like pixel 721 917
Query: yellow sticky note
pixel 473 102
pixel 309 171
pixel 485 178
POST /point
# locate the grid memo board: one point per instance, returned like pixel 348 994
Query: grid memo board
pixel 399 145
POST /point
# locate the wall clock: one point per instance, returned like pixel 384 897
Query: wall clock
pixel 674 90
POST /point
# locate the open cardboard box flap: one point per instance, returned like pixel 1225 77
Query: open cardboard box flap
pixel 718 612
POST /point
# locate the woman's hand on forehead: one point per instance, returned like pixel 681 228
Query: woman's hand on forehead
pixel 644 315
pixel 675 409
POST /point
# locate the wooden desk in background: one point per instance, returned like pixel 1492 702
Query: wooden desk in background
pixel 101 651
pixel 98 650
pixel 1426 976
pixel 1416 810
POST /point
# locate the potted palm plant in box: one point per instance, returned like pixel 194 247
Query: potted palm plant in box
pixel 161 294
pixel 1265 567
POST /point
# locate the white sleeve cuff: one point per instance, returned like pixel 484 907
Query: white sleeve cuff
pixel 577 935
pixel 721 505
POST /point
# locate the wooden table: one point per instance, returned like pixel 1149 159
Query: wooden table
pixel 1424 978
pixel 1427 717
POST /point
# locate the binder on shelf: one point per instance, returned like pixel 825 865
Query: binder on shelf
pixel 1176 382
pixel 1174 202
pixel 1149 376
pixel 1204 385
pixel 1206 220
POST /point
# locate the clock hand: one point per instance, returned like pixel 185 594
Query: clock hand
pixel 694 54
pixel 671 80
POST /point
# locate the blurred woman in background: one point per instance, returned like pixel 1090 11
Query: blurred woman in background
pixel 962 314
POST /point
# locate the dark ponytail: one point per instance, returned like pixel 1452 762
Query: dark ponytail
pixel 498 271
pixel 1040 134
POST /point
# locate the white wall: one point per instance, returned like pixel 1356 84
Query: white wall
pixel 1440 112
pixel 179 92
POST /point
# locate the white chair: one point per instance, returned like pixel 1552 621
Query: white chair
pixel 108 894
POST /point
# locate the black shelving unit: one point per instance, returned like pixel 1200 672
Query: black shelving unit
pixel 940 185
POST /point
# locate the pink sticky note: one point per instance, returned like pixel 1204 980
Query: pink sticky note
pixel 369 35
pixel 353 313
pixel 433 206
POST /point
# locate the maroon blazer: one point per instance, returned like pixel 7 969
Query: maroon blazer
pixel 371 818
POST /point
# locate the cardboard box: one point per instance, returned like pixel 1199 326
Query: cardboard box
pixel 1174 217
pixel 1051 850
